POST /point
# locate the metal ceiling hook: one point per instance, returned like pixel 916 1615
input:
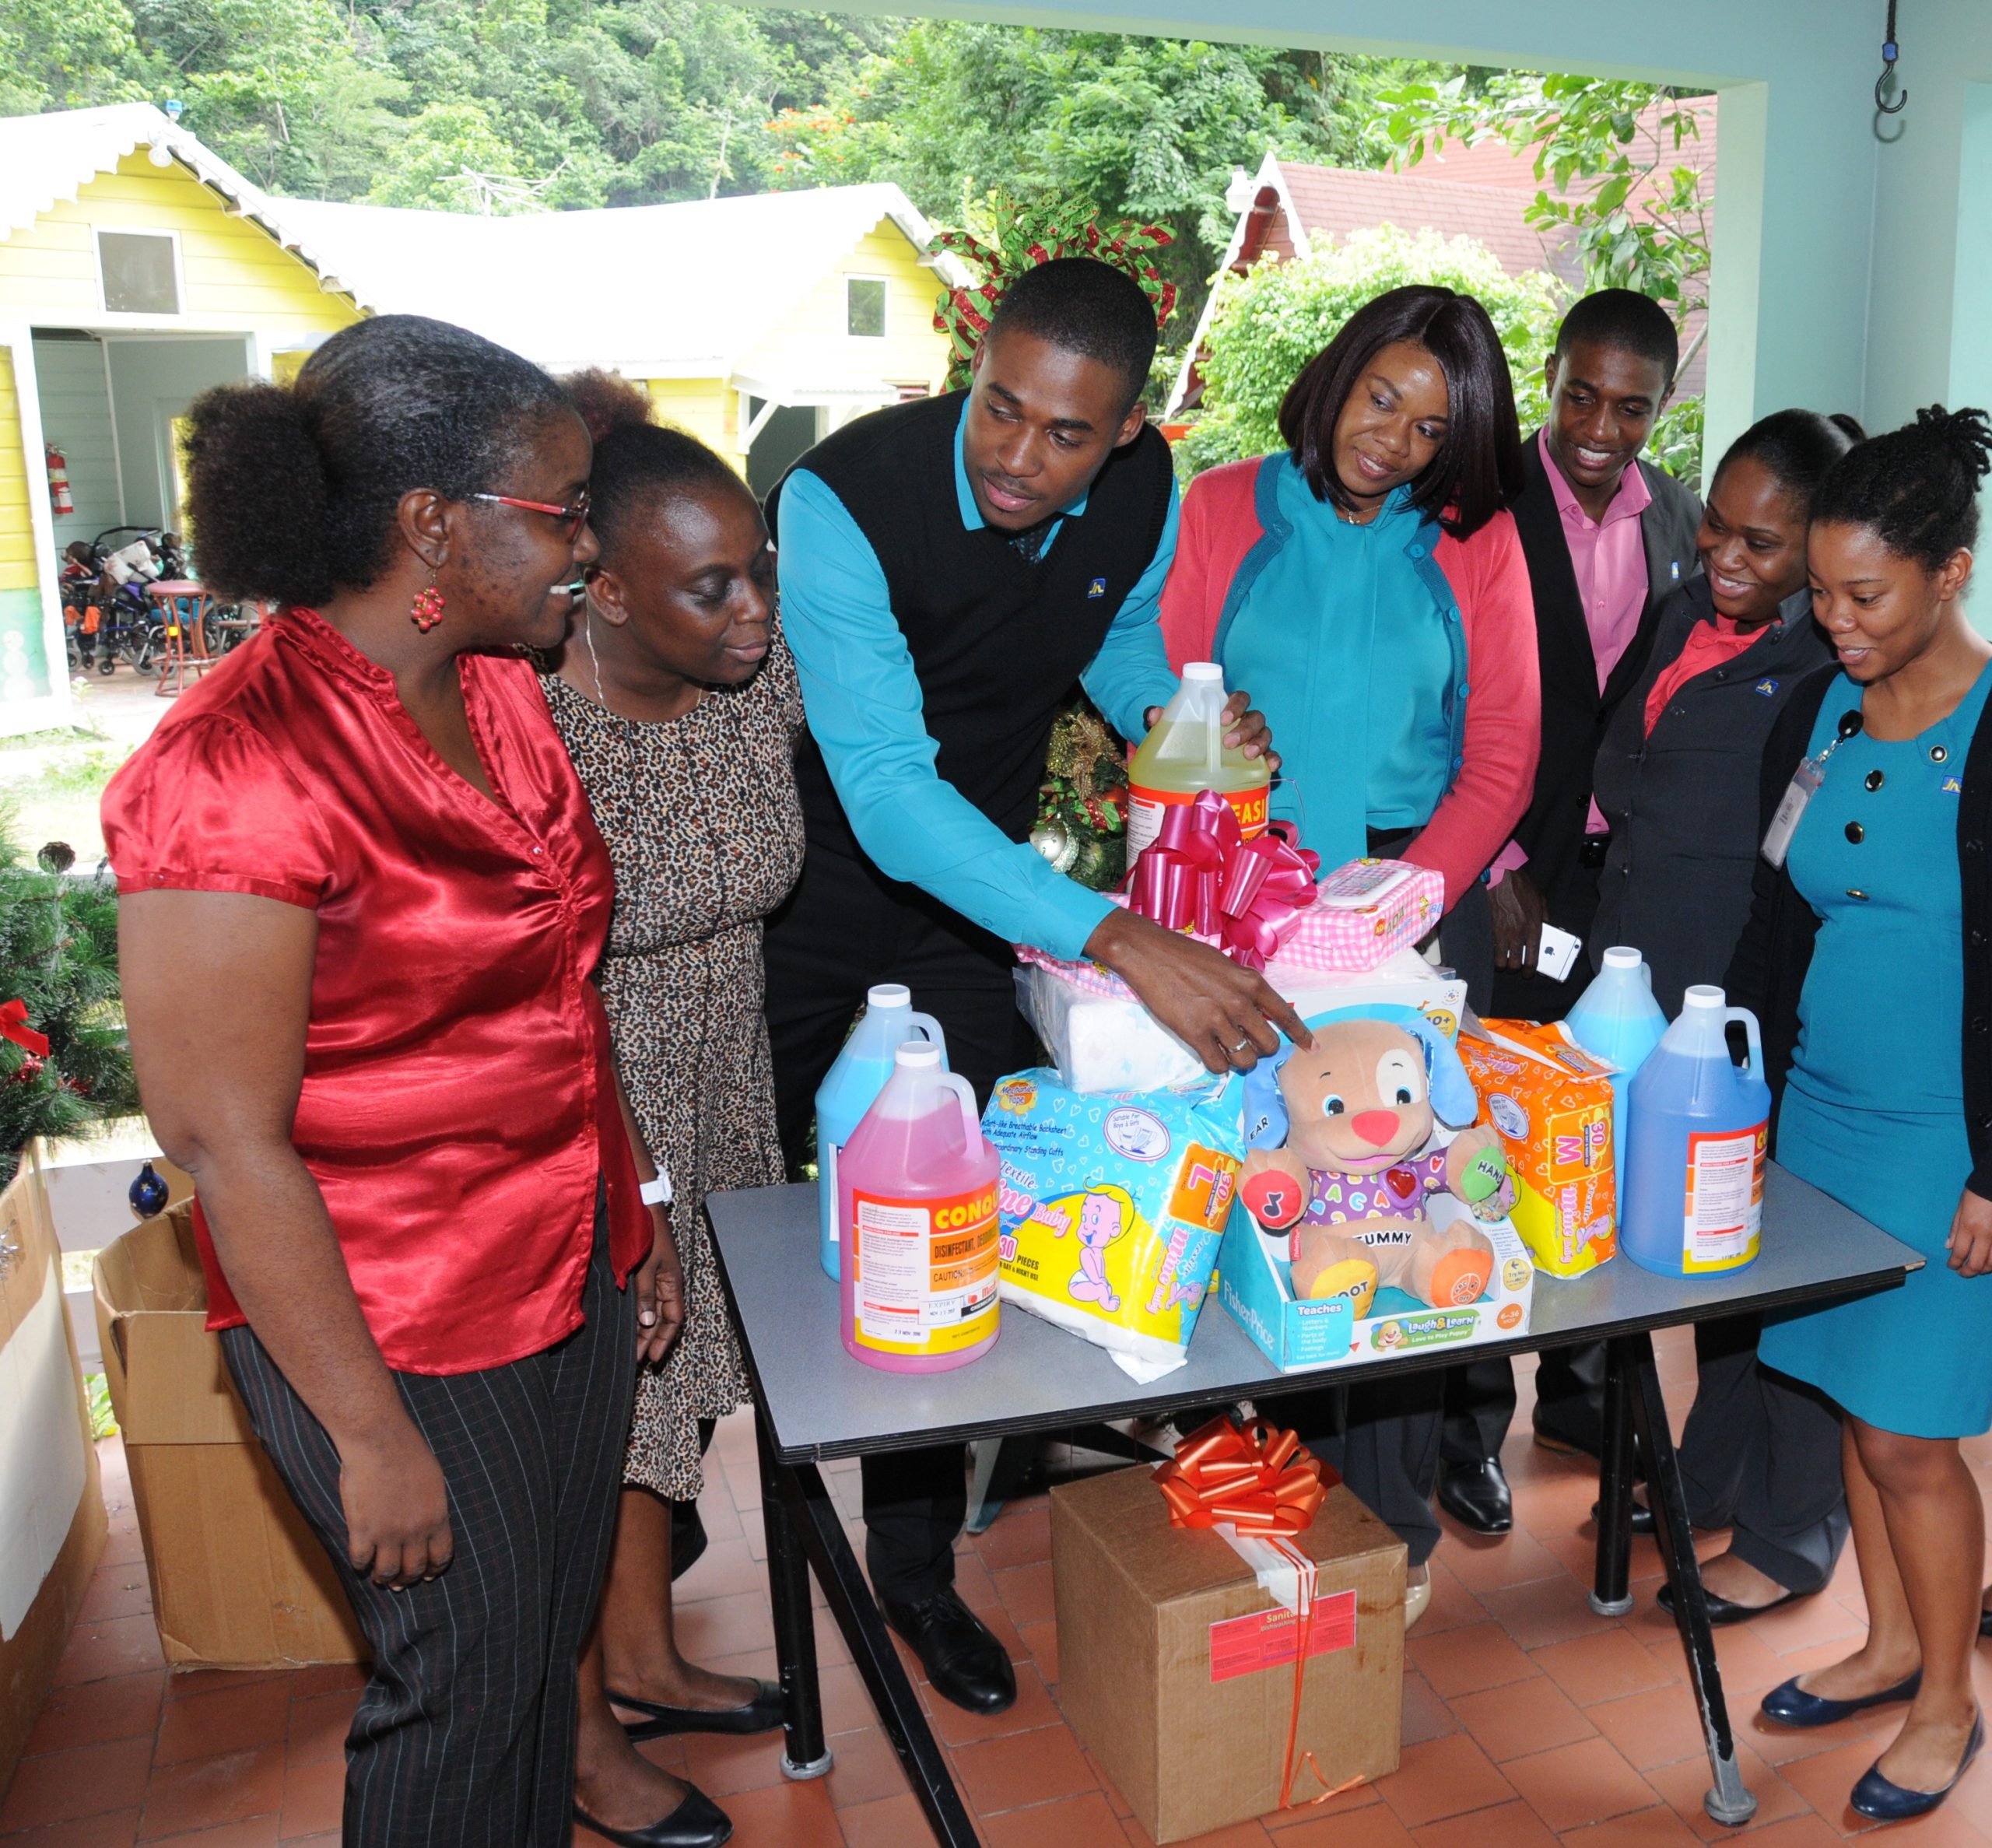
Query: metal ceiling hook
pixel 1890 52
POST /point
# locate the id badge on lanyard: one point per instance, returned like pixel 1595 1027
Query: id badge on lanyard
pixel 1804 784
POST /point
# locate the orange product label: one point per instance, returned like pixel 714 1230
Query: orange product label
pixel 924 1280
pixel 1206 1179
pixel 1724 1212
pixel 1266 1638
pixel 1145 807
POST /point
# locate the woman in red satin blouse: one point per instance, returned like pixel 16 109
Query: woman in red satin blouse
pixel 363 905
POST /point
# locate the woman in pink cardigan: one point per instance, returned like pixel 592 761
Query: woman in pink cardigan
pixel 1367 584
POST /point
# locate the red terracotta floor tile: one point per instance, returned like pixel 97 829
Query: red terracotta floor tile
pixel 1607 1666
pixel 721 1763
pixel 1023 1768
pixel 785 1815
pixel 116 1645
pixel 894 1823
pixel 254 1832
pixel 726 1568
pixel 60 1786
pixel 1425 1716
pixel 1507 1826
pixel 1800 1832
pixel 317 1729
pixel 1684 1784
pixel 117 1829
pixel 120 1591
pixel 1239 1835
pixel 1482 1565
pixel 326 1677
pixel 866 1768
pixel 123 1549
pixel 1464 1661
pixel 1452 1604
pixel 1373 1828
pixel 1025 1591
pixel 1085 1821
pixel 1441 1778
pixel 184 1684
pixel 1042 1640
pixel 314 1798
pixel 1656 1727
pixel 1529 1717
pixel 724 1626
pixel 1574 1785
pixel 202 1793
pixel 1552 1610
pixel 1022 1535
pixel 95 1713
pixel 229 1719
pixel 1644 1829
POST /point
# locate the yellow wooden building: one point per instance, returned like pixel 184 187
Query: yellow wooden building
pixel 137 269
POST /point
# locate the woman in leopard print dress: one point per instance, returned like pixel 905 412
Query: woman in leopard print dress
pixel 678 701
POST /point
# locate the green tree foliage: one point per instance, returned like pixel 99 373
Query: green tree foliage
pixel 1271 321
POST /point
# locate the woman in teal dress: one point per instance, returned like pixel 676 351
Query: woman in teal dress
pixel 1866 957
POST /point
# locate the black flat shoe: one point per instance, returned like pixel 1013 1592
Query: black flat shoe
pixel 964 1663
pixel 1477 1496
pixel 1886 1802
pixel 1722 1610
pixel 697 1823
pixel 761 1714
pixel 1643 1521
pixel 1789 1705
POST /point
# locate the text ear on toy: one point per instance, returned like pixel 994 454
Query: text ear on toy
pixel 1266 1109
pixel 1453 1100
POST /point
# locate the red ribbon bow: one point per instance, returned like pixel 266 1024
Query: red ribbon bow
pixel 1257 1478
pixel 1200 874
pixel 14 1026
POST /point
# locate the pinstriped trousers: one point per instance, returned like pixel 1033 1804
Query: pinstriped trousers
pixel 465 1738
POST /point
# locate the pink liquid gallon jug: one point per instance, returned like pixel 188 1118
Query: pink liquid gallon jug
pixel 917 1211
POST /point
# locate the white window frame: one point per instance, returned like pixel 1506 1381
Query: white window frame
pixel 885 286
pixel 139 317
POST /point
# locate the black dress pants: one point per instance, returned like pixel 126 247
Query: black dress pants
pixel 1761 1455
pixel 465 1738
pixel 846 927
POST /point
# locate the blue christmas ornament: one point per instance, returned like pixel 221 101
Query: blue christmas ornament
pixel 148 1193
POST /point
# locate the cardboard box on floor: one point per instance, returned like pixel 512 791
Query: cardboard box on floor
pixel 238 1579
pixel 1177 1669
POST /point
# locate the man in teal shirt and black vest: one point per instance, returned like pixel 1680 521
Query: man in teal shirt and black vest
pixel 950 569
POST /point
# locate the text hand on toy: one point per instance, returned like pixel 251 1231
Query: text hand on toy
pixel 1477 1173
pixel 1970 1242
pixel 1520 914
pixel 1274 1188
pixel 660 1294
pixel 1229 1017
pixel 1244 729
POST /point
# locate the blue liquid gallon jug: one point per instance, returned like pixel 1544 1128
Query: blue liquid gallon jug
pixel 1617 1019
pixel 852 1085
pixel 1693 1199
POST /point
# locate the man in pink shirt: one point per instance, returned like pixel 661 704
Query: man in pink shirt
pixel 1606 536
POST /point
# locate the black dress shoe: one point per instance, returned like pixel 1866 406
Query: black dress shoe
pixel 1642 1522
pixel 1571 1431
pixel 1476 1495
pixel 964 1663
pixel 697 1823
pixel 1722 1610
pixel 761 1714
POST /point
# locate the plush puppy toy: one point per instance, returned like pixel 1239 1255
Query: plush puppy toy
pixel 1337 1152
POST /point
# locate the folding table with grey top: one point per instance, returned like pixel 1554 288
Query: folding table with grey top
pixel 814 1403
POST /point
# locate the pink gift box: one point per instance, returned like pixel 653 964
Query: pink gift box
pixel 1324 938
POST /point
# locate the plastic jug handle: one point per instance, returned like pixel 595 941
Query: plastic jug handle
pixel 1752 1037
pixel 965 1095
pixel 931 1028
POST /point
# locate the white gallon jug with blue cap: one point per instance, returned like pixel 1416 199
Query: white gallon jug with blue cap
pixel 851 1087
pixel 1692 1201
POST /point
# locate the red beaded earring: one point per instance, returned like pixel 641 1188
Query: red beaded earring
pixel 426 610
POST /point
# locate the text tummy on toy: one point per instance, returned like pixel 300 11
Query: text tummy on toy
pixel 1337 1152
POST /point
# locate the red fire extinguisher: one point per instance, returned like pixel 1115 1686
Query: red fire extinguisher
pixel 59 481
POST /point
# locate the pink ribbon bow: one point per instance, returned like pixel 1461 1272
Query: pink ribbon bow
pixel 1201 875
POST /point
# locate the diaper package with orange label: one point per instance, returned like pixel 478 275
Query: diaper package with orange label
pixel 1551 1102
pixel 1110 1208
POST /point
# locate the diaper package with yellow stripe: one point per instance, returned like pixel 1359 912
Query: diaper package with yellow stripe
pixel 1111 1208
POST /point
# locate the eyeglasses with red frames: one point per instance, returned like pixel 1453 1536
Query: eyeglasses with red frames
pixel 576 516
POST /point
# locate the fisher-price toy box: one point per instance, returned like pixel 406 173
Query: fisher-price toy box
pixel 1302 1336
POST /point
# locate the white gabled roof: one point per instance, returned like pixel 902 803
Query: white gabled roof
pixel 45 159
pixel 685 291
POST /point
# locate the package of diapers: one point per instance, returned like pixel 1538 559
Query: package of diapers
pixel 1111 1208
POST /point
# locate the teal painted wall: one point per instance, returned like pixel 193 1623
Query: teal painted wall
pixel 75 417
pixel 152 383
